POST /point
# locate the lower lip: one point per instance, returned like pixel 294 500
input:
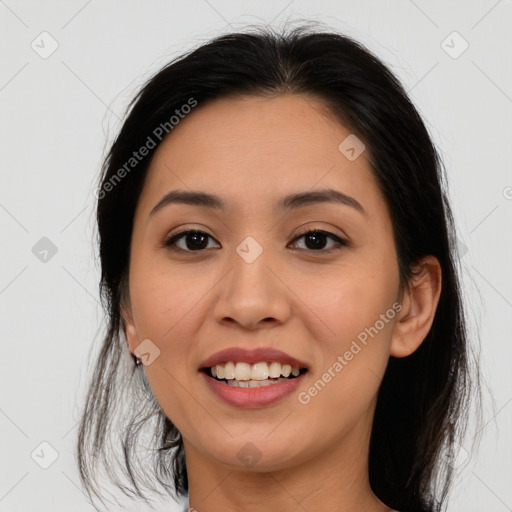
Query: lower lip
pixel 253 397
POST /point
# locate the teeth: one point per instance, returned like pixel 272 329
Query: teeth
pixel 274 370
pixel 286 370
pixel 229 371
pixel 243 372
pixel 253 383
pixel 259 371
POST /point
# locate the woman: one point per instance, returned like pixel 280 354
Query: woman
pixel 277 255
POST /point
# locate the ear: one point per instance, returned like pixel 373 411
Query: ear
pixel 419 305
pixel 130 331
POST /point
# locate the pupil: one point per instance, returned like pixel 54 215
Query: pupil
pixel 318 240
pixel 196 236
pixel 200 241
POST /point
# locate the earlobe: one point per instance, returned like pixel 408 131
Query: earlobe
pixel 419 308
pixel 129 329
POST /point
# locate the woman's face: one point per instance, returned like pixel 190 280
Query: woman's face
pixel 254 281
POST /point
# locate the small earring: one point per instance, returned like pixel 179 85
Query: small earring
pixel 137 361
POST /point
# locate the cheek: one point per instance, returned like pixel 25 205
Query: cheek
pixel 354 353
pixel 353 335
pixel 165 300
pixel 167 312
pixel 349 304
pixel 165 309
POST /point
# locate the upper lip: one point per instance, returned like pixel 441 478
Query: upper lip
pixel 251 356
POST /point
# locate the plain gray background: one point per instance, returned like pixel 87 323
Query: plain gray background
pixel 60 110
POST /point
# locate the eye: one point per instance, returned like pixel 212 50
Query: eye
pixel 195 241
pixel 317 239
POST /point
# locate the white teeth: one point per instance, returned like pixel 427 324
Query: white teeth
pixel 229 370
pixel 253 383
pixel 259 371
pixel 243 372
pixel 274 370
pixel 286 369
pixel 257 384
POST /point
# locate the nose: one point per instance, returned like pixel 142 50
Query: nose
pixel 253 294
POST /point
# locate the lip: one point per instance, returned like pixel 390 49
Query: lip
pixel 250 398
pixel 252 356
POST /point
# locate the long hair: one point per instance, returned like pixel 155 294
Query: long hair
pixel 423 399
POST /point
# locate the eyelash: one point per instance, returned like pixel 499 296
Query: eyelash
pixel 170 242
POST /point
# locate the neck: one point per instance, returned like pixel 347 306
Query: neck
pixel 333 479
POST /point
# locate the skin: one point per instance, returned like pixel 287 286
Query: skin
pixel 251 151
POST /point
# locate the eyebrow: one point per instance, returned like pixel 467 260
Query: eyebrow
pixel 290 202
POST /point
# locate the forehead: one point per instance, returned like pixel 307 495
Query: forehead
pixel 254 148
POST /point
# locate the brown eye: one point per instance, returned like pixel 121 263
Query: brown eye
pixel 197 241
pixel 315 240
pixel 194 241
